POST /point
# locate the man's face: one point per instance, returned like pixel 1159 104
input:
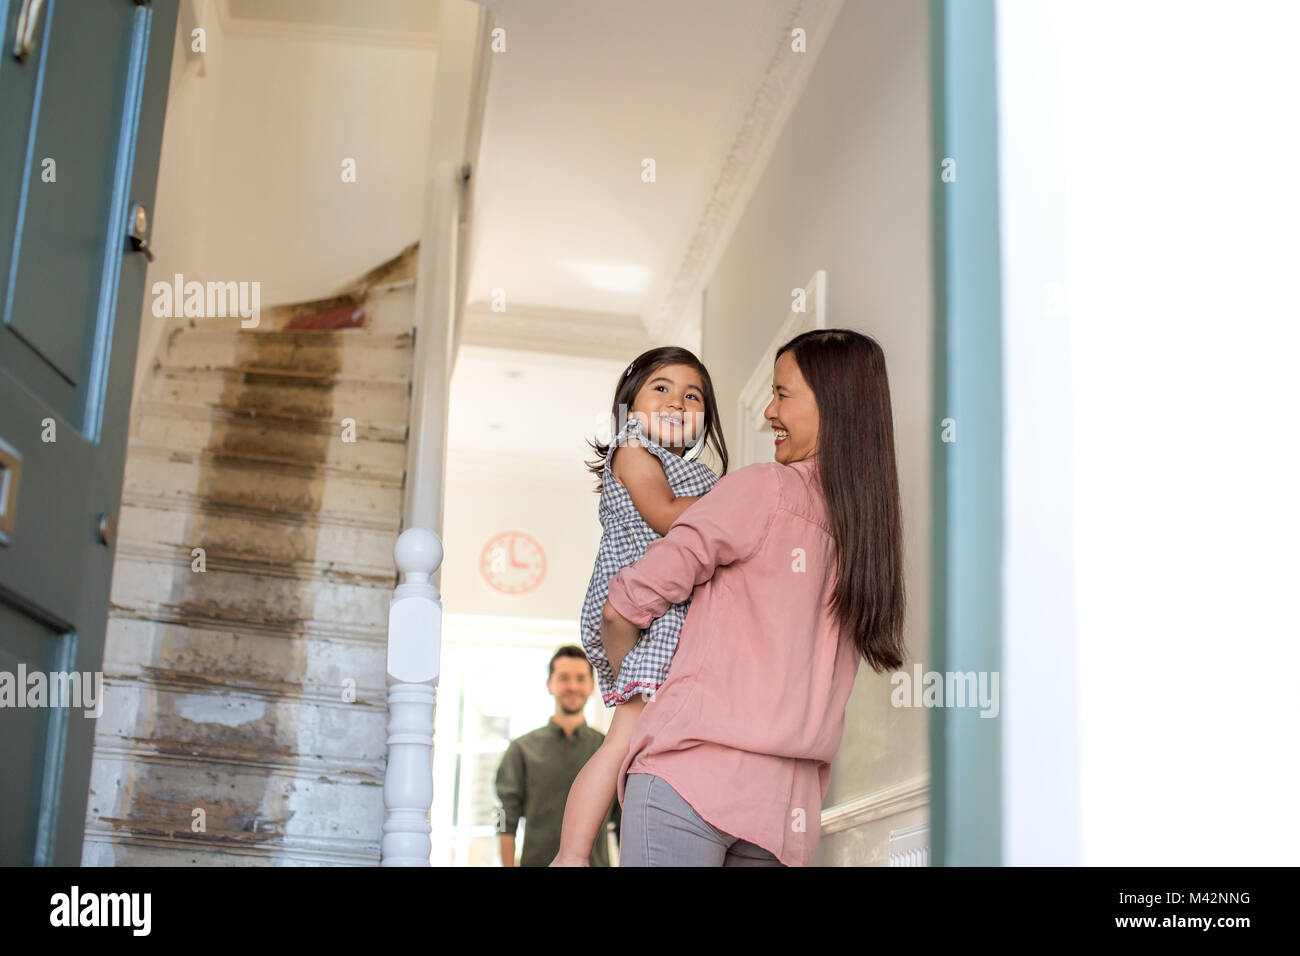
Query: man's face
pixel 571 684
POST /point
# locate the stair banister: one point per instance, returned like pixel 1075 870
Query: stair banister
pixel 414 643
pixel 415 613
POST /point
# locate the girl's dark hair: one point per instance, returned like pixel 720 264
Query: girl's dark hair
pixel 859 479
pixel 636 375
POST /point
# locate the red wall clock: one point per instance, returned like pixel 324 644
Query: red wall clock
pixel 513 563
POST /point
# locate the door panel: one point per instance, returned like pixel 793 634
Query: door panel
pixel 90 96
pixel 63 224
pixel 30 733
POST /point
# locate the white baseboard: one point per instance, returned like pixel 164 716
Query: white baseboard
pixel 877 805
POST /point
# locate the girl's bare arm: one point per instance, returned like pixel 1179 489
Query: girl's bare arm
pixel 618 635
pixel 642 474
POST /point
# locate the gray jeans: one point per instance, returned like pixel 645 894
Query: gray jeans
pixel 660 828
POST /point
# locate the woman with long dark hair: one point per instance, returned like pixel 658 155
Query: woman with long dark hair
pixel 796 574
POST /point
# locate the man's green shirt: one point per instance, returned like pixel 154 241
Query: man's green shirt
pixel 533 782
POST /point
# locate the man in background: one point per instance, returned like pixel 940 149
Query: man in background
pixel 538 768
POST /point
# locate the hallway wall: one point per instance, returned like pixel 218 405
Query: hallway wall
pixel 250 182
pixel 183 198
pixel 557 509
pixel 847 190
pixel 291 111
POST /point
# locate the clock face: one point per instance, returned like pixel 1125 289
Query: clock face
pixel 513 563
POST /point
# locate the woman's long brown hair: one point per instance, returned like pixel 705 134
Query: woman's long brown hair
pixel 636 375
pixel 859 479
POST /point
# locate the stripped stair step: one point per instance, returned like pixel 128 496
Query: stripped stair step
pixel 104 847
pixel 366 425
pixel 245 809
pixel 146 589
pixel 337 339
pixel 245 728
pixel 252 541
pixel 269 486
pixel 223 460
pixel 297 352
pixel 268 442
pixel 257 662
pixel 278 394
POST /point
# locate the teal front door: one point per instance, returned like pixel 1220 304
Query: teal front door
pixel 83 85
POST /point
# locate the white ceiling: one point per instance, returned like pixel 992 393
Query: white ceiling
pixel 506 405
pixel 562 221
pixel 583 92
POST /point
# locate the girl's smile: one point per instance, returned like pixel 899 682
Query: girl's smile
pixel 671 406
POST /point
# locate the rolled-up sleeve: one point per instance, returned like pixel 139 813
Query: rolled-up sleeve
pixel 726 525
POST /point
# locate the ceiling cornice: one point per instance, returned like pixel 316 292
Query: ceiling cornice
pixel 757 121
pixel 283 30
pixel 559 331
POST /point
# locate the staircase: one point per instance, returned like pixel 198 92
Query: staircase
pixel 244 706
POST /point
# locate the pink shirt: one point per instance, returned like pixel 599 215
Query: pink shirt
pixel 752 712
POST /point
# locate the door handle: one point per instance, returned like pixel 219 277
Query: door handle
pixel 139 231
pixel 11 470
pixel 107 527
pixel 25 35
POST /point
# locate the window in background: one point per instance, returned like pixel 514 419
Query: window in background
pixel 492 690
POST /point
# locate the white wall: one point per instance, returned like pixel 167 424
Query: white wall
pixel 184 195
pixel 291 110
pixel 1180 254
pixel 847 189
pixel 559 512
pixel 1039 725
pixel 250 185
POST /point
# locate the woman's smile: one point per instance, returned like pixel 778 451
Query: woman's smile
pixel 792 413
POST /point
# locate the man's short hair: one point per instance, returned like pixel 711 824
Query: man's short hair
pixel 569 650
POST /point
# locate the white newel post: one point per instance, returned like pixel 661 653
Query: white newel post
pixel 414 646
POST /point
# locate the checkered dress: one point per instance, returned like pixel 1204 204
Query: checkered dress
pixel 625 538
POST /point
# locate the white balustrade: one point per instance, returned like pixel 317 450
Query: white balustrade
pixel 414 647
pixel 415 613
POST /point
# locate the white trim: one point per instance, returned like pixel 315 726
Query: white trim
pixel 437 298
pixel 757 393
pixel 471 239
pixel 888 801
pixel 286 30
pixel 568 332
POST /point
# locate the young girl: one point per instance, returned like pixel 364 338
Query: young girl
pixel 663 406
